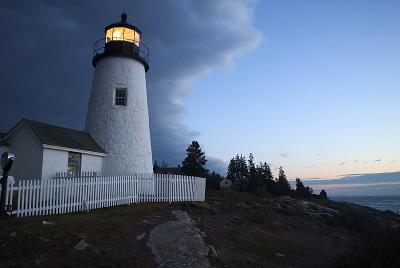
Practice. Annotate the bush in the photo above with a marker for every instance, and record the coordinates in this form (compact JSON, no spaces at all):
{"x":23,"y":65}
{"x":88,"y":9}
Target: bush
{"x":378,"y":248}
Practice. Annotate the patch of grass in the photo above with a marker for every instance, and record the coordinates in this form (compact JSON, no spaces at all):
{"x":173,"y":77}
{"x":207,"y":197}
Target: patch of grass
{"x":211,"y":194}
{"x":110,"y":233}
{"x":377,"y":248}
{"x":354,"y":219}
{"x":267,"y":218}
{"x":248,"y":241}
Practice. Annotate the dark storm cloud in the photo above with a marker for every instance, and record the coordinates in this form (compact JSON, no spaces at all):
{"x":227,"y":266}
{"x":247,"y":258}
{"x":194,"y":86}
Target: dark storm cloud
{"x":46,"y":50}
{"x":217,"y":165}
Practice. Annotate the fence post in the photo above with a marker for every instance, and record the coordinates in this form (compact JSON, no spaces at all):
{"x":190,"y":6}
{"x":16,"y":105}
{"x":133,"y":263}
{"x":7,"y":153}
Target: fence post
{"x":19,"y":199}
{"x":10,"y":194}
{"x":169,"y":189}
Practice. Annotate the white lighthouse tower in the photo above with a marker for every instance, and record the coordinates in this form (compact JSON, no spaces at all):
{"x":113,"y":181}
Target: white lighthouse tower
{"x":117,"y":115}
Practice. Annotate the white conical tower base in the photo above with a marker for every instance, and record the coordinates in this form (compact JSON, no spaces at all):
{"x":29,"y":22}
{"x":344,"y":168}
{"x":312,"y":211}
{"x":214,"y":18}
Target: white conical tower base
{"x":123,"y":131}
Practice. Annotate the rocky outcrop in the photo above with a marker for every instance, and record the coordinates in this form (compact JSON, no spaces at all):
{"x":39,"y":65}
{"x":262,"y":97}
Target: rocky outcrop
{"x":179,"y":243}
{"x":288,"y":204}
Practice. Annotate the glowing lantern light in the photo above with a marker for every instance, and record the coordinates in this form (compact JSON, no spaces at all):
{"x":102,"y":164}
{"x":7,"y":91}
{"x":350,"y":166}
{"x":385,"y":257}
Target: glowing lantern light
{"x":123,"y":31}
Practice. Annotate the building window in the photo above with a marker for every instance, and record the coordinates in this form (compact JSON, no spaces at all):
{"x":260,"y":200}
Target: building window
{"x":121,"y":96}
{"x":74,"y":163}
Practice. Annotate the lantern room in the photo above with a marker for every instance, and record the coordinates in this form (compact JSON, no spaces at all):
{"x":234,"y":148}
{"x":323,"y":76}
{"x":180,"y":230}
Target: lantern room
{"x":121,"y":39}
{"x":123,"y":31}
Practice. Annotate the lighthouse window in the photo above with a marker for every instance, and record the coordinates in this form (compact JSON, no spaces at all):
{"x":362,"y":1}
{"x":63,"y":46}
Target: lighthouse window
{"x":74,"y":163}
{"x":123,"y":34}
{"x":121,"y":96}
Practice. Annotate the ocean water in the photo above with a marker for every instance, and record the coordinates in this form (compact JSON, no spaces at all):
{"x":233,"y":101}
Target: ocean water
{"x":383,"y":203}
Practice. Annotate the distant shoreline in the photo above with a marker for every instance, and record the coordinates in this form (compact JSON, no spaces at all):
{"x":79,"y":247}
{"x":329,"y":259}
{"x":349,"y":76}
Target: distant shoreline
{"x":379,"y":202}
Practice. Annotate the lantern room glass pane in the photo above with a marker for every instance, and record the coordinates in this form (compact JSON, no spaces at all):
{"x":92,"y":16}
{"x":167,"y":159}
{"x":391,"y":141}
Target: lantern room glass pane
{"x":109,"y":35}
{"x":137,"y":38}
{"x":122,"y":34}
{"x":118,"y":33}
{"x":129,"y":35}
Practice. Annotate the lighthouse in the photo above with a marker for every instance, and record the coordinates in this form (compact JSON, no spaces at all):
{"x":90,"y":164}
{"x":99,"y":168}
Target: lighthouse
{"x":117,"y":116}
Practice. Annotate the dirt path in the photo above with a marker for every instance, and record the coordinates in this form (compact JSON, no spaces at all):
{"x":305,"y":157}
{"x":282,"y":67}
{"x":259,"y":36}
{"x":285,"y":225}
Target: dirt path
{"x":179,"y":243}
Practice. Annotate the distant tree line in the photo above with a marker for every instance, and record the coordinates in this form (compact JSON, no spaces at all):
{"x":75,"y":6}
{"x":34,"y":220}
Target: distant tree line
{"x":244,"y":175}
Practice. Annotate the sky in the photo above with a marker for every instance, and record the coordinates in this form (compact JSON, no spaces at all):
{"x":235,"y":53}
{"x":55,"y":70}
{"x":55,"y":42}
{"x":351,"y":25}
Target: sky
{"x":318,"y":96}
{"x":312,"y":86}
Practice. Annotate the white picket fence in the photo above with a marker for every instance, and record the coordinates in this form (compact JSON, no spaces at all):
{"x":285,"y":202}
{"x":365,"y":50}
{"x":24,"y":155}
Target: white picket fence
{"x":71,"y":194}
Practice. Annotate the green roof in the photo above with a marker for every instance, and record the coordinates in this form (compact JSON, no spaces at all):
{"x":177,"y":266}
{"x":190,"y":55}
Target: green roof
{"x":64,"y":137}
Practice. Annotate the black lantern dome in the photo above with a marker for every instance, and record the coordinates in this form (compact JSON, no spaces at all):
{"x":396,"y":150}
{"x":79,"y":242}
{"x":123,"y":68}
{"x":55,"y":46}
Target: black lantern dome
{"x":121,"y":39}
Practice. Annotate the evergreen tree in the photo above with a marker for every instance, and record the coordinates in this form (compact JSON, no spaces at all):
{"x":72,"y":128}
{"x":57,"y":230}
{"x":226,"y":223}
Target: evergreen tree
{"x":283,"y":186}
{"x":300,"y":189}
{"x":303,"y":191}
{"x":238,"y":173}
{"x":323,"y":195}
{"x":251,"y":165}
{"x":232,"y":173}
{"x":266,"y":177}
{"x":254,"y":184}
{"x":195,"y":161}
{"x":243,"y":173}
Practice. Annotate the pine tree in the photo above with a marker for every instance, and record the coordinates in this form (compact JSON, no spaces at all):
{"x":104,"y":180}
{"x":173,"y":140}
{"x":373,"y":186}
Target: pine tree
{"x":232,"y":174}
{"x":283,"y":186}
{"x":243,"y":173}
{"x":253,"y":178}
{"x":300,"y":189}
{"x":252,"y":167}
{"x":195,"y":161}
{"x":303,"y":191}
{"x":268,"y":178}
{"x":323,"y":194}
{"x":238,"y":173}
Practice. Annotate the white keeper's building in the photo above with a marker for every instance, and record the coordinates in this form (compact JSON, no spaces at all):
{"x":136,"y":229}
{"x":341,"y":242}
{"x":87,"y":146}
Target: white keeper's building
{"x":116,"y":139}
